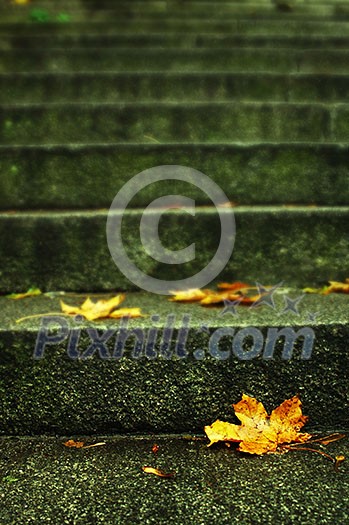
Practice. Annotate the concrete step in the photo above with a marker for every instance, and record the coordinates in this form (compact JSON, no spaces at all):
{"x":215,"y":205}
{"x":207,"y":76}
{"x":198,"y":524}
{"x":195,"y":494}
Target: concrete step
{"x":246,"y":26}
{"x":212,"y":485}
{"x":321,"y":61}
{"x":78,"y":176}
{"x":170,"y":39}
{"x":57,"y":393}
{"x":207,"y":122}
{"x":67,"y":250}
{"x":163,"y":9}
{"x":171,"y":86}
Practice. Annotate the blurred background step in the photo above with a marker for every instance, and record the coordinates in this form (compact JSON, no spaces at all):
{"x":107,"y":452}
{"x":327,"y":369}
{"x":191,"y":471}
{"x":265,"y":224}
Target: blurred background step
{"x":176,"y":59}
{"x":36,"y":87}
{"x":45,"y":40}
{"x":245,"y":26}
{"x":68,"y":250}
{"x":57,"y":394}
{"x":89,"y":176}
{"x":162,"y":10}
{"x":207,"y":122}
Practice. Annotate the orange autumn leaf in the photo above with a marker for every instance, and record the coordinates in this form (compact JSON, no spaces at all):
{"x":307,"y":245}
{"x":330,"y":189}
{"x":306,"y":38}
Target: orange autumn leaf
{"x":157,"y":472}
{"x":235,"y":291}
{"x":73,"y":444}
{"x":337,"y":287}
{"x":235,"y":286}
{"x":80,"y":444}
{"x":101,"y":309}
{"x":189,"y":296}
{"x":220,"y":297}
{"x":155,"y":448}
{"x":260,"y":433}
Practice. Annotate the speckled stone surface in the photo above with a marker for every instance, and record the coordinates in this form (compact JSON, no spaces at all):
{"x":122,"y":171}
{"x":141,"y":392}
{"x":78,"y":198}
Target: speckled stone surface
{"x":68,"y":250}
{"x":125,"y":393}
{"x":41,"y":481}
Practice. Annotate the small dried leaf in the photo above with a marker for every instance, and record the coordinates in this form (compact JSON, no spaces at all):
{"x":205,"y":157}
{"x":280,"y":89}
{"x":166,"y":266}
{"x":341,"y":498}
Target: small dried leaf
{"x":339,"y":460}
{"x":337,"y":287}
{"x":155,"y":448}
{"x":32,"y":292}
{"x":334,"y":287}
{"x":73,"y":444}
{"x":189,"y":296}
{"x":126,"y":312}
{"x":157,"y":472}
{"x":236,"y":286}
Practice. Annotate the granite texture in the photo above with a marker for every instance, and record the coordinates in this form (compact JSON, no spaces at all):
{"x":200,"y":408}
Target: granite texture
{"x":175,"y":389}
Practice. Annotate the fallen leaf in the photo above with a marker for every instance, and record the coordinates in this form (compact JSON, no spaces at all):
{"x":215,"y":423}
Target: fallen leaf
{"x":260,"y":433}
{"x":234,"y":291}
{"x":337,"y":287}
{"x":236,"y":286}
{"x":339,"y":460}
{"x":101,"y":309}
{"x":155,"y":448}
{"x":32,"y":292}
{"x":73,"y":444}
{"x":126,"y":312}
{"x":333,"y":287}
{"x":220,"y":297}
{"x":189,"y":296}
{"x":80,"y":444}
{"x":21,"y":2}
{"x":157,"y":472}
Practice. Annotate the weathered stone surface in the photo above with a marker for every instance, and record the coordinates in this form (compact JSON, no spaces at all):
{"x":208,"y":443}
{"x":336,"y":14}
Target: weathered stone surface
{"x":61,"y":394}
{"x":45,"y":482}
{"x":40,"y":177}
{"x":68,"y":250}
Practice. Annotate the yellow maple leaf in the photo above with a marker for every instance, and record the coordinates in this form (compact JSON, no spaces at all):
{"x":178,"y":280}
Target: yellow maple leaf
{"x":101,"y":309}
{"x":189,"y":296}
{"x":260,"y":433}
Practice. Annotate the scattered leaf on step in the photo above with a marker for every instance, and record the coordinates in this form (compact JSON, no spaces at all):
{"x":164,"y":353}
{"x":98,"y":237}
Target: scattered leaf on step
{"x":126,"y":312}
{"x":236,"y":286}
{"x":101,"y":309}
{"x":260,"y":433}
{"x":73,"y":444}
{"x":190,"y":296}
{"x":234,"y":291}
{"x":157,"y":472}
{"x":32,"y":292}
{"x":339,"y":460}
{"x":337,"y":287}
{"x":155,"y":448}
{"x":80,"y":444}
{"x":333,"y":287}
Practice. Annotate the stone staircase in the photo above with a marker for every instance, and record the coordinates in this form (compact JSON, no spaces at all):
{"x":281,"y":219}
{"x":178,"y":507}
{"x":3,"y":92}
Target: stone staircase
{"x":255,"y":96}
